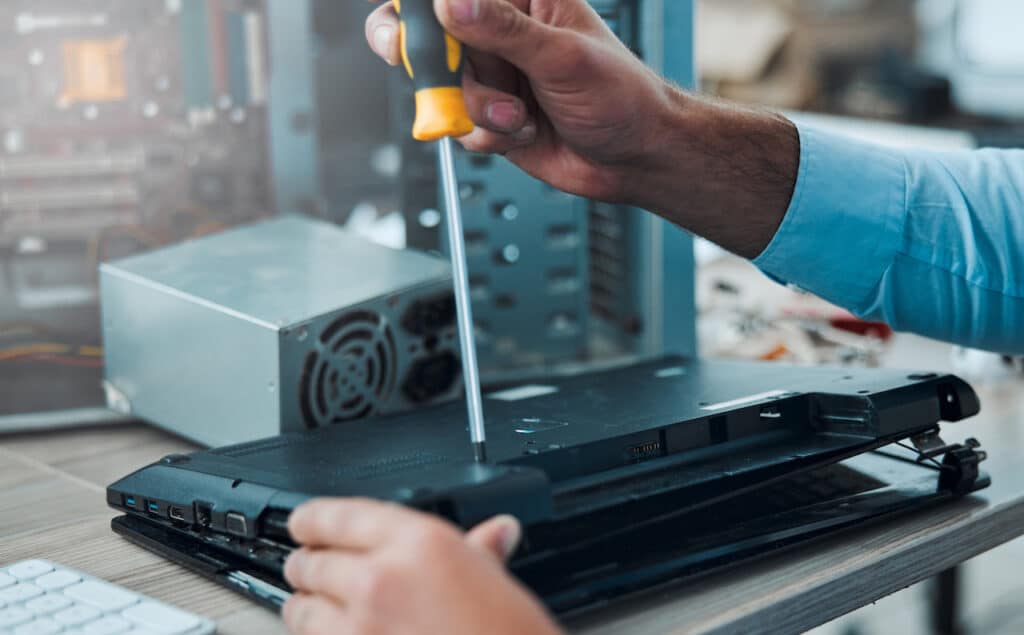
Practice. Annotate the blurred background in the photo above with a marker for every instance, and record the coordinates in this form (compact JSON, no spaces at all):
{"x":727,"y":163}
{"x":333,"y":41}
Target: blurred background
{"x":128,"y":125}
{"x":940,"y":74}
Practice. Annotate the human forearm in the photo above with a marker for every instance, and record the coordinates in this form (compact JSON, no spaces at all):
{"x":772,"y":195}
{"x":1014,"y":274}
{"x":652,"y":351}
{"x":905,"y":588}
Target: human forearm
{"x":723,"y":172}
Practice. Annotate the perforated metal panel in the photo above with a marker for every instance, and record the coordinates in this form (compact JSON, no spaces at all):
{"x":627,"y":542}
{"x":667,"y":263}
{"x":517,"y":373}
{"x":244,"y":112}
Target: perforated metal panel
{"x":526,"y":248}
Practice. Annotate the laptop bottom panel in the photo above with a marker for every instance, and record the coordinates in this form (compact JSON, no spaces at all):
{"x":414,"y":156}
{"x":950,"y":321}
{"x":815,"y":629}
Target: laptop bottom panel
{"x":625,"y":555}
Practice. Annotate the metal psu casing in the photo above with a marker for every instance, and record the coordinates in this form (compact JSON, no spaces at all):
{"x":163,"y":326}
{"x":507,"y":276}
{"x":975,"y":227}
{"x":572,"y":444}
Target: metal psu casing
{"x":287,"y":324}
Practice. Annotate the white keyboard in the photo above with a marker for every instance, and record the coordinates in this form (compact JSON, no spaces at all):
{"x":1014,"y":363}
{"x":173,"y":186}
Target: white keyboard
{"x":41,"y":598}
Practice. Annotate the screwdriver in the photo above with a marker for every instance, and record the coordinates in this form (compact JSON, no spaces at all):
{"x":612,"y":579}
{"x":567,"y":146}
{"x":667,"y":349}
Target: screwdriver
{"x":434,"y":59}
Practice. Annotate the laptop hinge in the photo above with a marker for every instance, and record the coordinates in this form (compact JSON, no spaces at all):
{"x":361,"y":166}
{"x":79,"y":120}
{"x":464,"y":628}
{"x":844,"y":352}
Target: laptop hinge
{"x":959,"y":468}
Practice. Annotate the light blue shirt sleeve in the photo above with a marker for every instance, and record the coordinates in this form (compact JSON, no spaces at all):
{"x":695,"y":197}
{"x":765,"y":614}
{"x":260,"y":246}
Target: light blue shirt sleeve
{"x":930,"y":243}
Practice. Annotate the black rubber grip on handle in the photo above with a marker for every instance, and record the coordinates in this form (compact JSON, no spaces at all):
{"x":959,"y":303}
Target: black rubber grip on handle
{"x":425,"y":47}
{"x":434,"y":61}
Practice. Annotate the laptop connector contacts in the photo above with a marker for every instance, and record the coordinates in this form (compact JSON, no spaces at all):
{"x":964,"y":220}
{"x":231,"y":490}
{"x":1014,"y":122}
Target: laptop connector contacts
{"x":645,"y":451}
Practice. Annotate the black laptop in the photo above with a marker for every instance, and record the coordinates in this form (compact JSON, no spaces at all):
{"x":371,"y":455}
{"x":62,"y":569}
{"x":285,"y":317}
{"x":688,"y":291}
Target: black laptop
{"x":624,"y":479}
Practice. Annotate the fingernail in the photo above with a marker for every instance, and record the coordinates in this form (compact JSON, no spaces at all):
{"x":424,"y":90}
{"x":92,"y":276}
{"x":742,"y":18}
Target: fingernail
{"x":464,"y":11}
{"x":526,"y":133}
{"x":503,"y":114}
{"x":511,"y":534}
{"x":382,"y":37}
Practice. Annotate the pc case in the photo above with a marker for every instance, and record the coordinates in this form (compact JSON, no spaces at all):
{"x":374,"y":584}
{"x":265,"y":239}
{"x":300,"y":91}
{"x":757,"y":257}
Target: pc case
{"x":285,"y":324}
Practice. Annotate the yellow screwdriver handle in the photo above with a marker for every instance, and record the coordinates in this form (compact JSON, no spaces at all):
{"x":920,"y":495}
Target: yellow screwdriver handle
{"x":433,"y":59}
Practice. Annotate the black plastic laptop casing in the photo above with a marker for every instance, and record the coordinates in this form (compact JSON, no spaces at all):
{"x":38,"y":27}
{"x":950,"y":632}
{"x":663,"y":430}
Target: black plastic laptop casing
{"x":577,"y":460}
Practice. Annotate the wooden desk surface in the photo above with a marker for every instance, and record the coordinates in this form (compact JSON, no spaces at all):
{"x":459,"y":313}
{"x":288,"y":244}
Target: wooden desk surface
{"x":52,"y":506}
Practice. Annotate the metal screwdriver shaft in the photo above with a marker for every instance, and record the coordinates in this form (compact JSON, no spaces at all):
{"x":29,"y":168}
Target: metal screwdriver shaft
{"x":463,"y":305}
{"x":433,"y":59}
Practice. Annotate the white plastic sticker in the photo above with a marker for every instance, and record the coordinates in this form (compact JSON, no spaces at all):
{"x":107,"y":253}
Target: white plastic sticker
{"x":523,"y":392}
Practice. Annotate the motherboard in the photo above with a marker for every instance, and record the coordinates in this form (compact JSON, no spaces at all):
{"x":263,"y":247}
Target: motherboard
{"x":124,"y":126}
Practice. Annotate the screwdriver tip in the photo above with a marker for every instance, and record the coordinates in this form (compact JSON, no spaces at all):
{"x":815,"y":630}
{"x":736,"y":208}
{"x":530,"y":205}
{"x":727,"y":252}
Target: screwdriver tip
{"x":480,"y":451}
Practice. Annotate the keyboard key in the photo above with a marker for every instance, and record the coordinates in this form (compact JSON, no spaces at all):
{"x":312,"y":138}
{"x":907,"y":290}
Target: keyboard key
{"x":110,"y":625}
{"x":30,"y":569}
{"x":160,"y":618}
{"x":6,"y":580}
{"x":41,"y":626}
{"x":77,"y":614}
{"x":20,"y":593}
{"x":101,"y":595}
{"x":57,"y":580}
{"x":13,"y":616}
{"x":45,"y":604}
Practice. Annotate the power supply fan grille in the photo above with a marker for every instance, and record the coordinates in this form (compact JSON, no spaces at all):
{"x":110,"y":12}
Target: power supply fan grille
{"x":350,"y":372}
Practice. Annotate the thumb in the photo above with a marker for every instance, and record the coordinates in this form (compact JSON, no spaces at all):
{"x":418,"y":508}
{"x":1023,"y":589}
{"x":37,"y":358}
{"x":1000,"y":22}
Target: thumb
{"x":498,"y":27}
{"x":498,"y":537}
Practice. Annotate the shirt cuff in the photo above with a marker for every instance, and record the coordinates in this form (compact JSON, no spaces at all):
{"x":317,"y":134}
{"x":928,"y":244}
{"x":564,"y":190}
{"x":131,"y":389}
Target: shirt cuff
{"x":845,"y":222}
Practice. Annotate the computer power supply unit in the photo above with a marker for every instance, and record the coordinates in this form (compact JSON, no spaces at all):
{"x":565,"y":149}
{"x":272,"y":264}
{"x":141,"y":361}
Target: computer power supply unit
{"x":282,"y":325}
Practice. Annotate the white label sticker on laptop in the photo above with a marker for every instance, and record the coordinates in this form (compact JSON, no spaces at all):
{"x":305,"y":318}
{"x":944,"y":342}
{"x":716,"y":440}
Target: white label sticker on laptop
{"x":743,"y":401}
{"x":523,"y":392}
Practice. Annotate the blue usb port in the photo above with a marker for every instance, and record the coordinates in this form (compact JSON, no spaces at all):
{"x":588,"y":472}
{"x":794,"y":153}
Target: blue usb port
{"x":129,"y":501}
{"x":153,"y":507}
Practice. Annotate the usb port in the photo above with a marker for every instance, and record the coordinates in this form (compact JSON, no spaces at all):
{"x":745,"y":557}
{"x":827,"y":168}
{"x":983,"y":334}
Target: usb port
{"x":176,"y":513}
{"x":129,"y":501}
{"x":153,"y":508}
